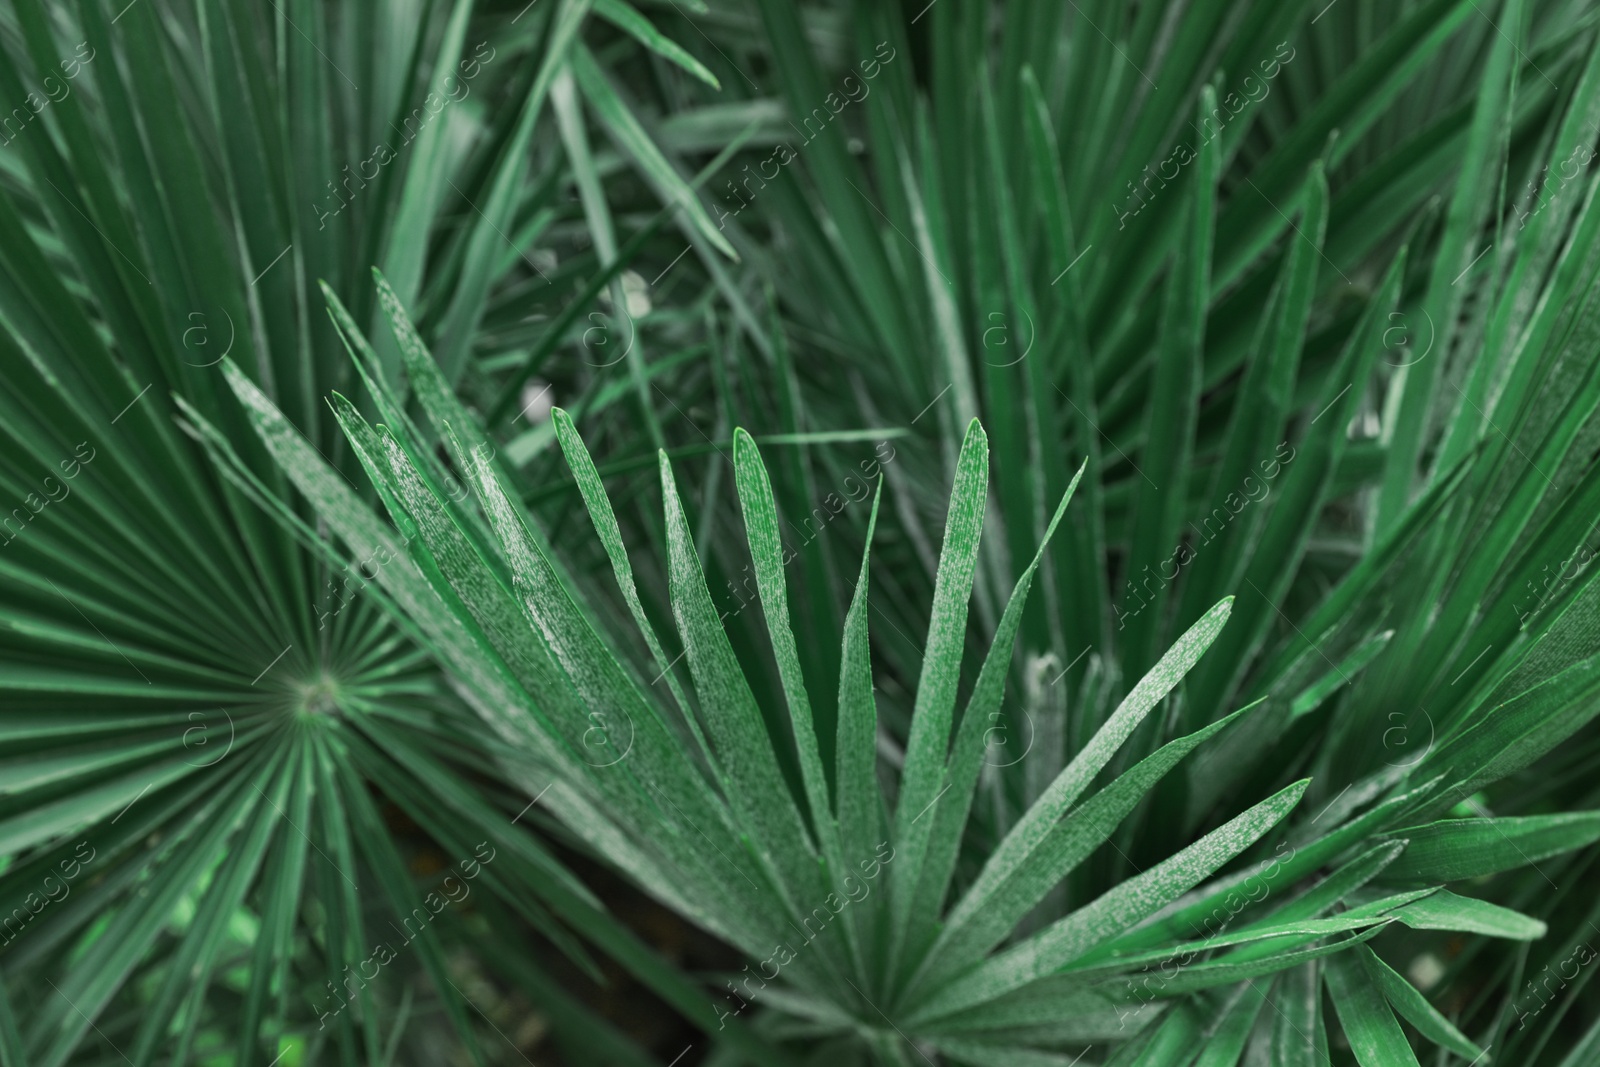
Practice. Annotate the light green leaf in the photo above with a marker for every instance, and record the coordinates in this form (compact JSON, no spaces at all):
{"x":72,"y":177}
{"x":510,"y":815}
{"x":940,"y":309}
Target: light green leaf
{"x":1071,"y":937}
{"x":1454,"y":849}
{"x":1375,"y":1037}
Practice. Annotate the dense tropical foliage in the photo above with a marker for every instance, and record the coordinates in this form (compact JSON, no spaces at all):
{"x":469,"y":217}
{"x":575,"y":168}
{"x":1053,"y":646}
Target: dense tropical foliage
{"x":978,"y":533}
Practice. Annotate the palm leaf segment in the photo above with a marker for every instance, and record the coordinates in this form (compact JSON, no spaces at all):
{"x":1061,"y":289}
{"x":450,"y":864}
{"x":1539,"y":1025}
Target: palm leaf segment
{"x":850,"y":911}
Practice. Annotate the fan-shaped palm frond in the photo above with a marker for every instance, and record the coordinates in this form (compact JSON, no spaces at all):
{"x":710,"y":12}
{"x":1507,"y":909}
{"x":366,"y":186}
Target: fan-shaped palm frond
{"x":241,"y":808}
